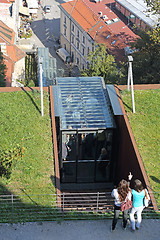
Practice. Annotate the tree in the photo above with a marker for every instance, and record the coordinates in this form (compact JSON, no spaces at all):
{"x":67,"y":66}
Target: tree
{"x":102,"y":64}
{"x":147,"y":59}
{"x":2,"y":71}
{"x":154,"y":6}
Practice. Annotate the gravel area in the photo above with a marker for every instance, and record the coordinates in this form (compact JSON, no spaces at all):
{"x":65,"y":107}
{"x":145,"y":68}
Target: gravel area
{"x":79,"y":230}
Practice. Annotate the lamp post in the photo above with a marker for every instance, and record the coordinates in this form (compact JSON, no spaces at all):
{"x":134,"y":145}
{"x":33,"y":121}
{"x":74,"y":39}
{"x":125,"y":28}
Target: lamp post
{"x":130,"y":80}
{"x":41,"y":84}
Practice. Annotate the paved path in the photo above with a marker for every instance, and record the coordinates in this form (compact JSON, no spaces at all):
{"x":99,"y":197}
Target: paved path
{"x":78,"y":230}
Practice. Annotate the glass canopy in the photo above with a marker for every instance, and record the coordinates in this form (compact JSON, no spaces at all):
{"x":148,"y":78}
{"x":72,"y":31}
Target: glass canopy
{"x":82,"y":103}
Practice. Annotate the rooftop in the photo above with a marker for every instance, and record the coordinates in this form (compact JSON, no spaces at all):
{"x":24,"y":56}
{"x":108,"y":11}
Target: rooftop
{"x":82,"y":103}
{"x":140,"y":9}
{"x":6,"y":33}
{"x":101,"y":23}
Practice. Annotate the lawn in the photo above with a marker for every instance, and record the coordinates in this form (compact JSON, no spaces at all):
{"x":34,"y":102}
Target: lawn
{"x":23,"y":126}
{"x":145,"y":124}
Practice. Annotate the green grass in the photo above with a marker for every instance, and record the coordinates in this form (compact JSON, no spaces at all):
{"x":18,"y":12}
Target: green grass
{"x":145,"y":124}
{"x":21,"y":123}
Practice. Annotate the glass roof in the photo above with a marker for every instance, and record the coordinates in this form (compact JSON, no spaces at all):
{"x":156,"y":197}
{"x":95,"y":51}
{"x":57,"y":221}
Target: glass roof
{"x":82,"y":103}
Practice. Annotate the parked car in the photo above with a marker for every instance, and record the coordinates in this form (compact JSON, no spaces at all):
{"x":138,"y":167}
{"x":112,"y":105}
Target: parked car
{"x":64,"y":55}
{"x":47,"y":9}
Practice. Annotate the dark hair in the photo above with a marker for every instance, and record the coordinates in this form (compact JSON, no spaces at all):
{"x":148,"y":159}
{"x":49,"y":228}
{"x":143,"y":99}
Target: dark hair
{"x":123,"y":189}
{"x":138,"y":186}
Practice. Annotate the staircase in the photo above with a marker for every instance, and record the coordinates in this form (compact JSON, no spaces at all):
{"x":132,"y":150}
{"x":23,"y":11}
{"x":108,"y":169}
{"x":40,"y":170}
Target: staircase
{"x":88,"y":201}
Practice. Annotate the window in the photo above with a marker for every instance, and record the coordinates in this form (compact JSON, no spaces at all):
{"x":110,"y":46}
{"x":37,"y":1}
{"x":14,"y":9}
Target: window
{"x":65,"y":46}
{"x":65,"y":31}
{"x":108,"y":36}
{"x":88,"y":50}
{"x":72,"y":56}
{"x":72,"y":27}
{"x":77,"y":45}
{"x":72,"y":39}
{"x":113,"y":42}
{"x":78,"y":33}
{"x":100,"y":27}
{"x":77,"y":61}
{"x":83,"y":49}
{"x":65,"y":20}
{"x":83,"y":40}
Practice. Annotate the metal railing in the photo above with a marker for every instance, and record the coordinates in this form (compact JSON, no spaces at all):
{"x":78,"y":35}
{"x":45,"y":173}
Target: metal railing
{"x":65,"y":206}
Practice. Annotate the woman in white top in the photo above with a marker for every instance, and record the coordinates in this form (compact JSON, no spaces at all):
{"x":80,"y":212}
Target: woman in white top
{"x":120,"y":194}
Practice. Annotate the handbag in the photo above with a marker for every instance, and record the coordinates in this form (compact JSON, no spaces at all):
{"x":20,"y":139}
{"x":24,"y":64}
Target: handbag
{"x":127,"y":204}
{"x":146,"y":199}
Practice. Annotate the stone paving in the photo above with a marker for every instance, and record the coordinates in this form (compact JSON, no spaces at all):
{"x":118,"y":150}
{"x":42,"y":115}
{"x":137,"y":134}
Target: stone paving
{"x":79,"y":230}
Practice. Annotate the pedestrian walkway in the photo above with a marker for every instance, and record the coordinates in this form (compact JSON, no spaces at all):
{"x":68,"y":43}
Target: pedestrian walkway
{"x":79,"y":230}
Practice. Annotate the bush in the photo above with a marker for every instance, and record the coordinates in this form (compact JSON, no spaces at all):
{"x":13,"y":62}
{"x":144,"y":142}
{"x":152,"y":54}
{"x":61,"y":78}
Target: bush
{"x":8,"y":158}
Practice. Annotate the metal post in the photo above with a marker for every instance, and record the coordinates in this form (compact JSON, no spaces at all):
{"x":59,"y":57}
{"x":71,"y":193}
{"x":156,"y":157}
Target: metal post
{"x":12,"y":208}
{"x":128,"y":83}
{"x":130,"y":79}
{"x":97,"y":200}
{"x":41,"y":84}
{"x":63,"y":201}
{"x":132,"y":91}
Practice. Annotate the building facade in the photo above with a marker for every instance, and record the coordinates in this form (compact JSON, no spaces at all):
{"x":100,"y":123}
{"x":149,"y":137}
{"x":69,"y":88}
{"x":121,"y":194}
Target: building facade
{"x":136,"y":11}
{"x":84,"y":23}
{"x":75,"y":40}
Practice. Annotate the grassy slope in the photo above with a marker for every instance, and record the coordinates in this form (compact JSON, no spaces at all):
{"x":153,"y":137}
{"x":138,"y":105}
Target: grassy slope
{"x":21,"y":123}
{"x":145,"y":124}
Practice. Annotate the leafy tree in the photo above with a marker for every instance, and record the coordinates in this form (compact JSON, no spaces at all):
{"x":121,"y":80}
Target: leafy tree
{"x":102,"y":64}
{"x":147,"y":59}
{"x":2,"y":71}
{"x":154,"y":6}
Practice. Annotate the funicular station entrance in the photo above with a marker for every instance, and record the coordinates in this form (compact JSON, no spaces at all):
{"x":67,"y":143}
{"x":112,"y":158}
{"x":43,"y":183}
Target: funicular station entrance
{"x":85,"y":131}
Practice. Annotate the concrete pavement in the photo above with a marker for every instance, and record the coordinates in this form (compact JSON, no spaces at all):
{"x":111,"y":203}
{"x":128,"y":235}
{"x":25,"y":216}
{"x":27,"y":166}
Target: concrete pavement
{"x":79,"y":230}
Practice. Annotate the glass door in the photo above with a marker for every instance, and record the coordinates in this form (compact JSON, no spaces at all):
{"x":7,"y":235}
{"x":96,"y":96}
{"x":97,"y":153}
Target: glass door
{"x":103,"y":156}
{"x":86,"y":157}
{"x":68,"y":157}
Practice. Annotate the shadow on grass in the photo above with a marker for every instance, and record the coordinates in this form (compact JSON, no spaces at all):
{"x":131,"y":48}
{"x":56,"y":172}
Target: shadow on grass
{"x":43,"y":207}
{"x":155,"y":179}
{"x":32,"y":100}
{"x":122,"y":100}
{"x":38,"y":208}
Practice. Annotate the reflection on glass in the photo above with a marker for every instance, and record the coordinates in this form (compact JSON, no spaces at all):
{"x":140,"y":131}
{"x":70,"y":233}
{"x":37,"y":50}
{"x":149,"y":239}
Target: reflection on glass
{"x":86,"y":156}
{"x":68,"y":170}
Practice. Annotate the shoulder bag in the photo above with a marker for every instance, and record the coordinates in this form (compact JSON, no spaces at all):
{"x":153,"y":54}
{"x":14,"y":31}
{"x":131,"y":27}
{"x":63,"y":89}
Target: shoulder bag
{"x":146,"y":200}
{"x":127,"y":204}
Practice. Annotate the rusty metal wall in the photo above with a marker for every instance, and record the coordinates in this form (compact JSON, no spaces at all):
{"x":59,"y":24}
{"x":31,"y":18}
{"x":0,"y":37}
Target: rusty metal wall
{"x":128,"y":157}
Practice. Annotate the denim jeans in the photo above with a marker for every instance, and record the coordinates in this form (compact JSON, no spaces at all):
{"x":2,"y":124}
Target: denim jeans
{"x":138,"y":211}
{"x":116,"y":215}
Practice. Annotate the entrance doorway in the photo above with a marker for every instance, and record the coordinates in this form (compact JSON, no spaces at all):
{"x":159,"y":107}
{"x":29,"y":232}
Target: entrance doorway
{"x":86,"y":157}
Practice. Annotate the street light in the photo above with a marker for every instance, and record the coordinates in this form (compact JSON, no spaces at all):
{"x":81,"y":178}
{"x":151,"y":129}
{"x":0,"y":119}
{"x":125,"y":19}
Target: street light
{"x":130,"y":80}
{"x":41,"y":84}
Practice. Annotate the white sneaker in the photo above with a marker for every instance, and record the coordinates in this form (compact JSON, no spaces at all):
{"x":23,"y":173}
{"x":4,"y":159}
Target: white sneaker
{"x":112,"y":230}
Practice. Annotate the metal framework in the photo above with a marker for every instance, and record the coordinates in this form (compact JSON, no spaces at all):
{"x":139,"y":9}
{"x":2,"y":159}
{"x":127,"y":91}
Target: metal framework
{"x":65,"y":206}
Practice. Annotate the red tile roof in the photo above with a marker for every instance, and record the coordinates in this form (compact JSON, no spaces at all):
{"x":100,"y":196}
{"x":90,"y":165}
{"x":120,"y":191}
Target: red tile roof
{"x":9,"y":69}
{"x":6,"y":33}
{"x":86,"y":14}
{"x":13,"y":53}
{"x":4,"y":1}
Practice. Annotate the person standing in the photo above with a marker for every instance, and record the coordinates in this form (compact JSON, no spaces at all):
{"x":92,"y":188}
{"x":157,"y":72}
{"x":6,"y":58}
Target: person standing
{"x":120,"y":194}
{"x":138,"y":194}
